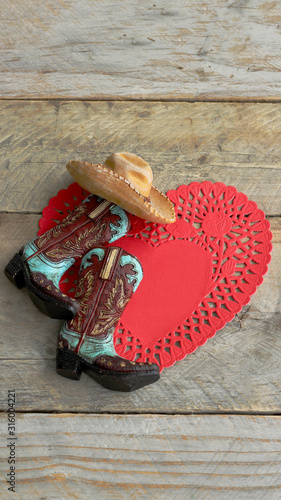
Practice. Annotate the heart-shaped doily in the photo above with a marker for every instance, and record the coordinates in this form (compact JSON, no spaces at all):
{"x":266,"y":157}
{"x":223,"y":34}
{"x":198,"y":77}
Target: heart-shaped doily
{"x":198,"y":271}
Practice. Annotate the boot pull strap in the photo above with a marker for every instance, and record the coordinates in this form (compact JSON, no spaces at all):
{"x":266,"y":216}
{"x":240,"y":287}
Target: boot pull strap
{"x":110,"y":262}
{"x":99,"y":210}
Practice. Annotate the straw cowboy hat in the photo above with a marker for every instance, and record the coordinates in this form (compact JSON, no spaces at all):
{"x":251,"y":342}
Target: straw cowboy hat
{"x":126,"y":180}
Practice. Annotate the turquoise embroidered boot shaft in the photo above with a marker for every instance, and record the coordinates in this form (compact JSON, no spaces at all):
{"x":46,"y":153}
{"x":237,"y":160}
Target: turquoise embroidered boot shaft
{"x":41,"y":263}
{"x":107,"y":280}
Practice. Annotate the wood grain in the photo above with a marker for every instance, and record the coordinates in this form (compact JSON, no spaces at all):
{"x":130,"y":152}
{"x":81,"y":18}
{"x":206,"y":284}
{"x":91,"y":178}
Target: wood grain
{"x":93,"y":49}
{"x":236,"y":371}
{"x":26,"y":333}
{"x":144,"y":457}
{"x":139,"y":51}
{"x":238,"y":144}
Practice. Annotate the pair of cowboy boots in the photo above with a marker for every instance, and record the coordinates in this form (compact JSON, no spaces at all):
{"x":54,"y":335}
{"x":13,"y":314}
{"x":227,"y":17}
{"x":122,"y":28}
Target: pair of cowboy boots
{"x":107,"y":279}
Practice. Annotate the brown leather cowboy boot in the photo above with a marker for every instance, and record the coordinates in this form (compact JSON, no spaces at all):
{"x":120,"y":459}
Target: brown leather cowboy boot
{"x":41,"y":263}
{"x":107,"y":280}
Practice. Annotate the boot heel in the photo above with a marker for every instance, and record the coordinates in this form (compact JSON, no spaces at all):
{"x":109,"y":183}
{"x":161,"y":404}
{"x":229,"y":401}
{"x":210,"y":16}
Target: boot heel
{"x":14,"y":271}
{"x":68,"y":365}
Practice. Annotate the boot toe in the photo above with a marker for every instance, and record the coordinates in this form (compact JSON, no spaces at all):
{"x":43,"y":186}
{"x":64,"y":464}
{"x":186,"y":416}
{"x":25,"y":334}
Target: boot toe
{"x":120,"y":374}
{"x":121,"y":365}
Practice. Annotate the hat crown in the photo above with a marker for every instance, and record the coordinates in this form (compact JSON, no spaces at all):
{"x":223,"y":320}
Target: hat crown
{"x":132,"y":168}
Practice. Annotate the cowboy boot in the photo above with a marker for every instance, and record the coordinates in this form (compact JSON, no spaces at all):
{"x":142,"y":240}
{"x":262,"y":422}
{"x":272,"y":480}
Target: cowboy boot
{"x":41,"y":263}
{"x":107,"y":280}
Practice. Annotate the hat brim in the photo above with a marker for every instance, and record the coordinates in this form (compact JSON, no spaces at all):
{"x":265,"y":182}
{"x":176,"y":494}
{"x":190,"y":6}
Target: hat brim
{"x":101,"y":181}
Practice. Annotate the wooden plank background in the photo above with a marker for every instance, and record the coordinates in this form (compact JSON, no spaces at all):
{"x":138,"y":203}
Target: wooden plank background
{"x":142,"y":456}
{"x":238,"y":144}
{"x":225,"y":49}
{"x":79,"y":80}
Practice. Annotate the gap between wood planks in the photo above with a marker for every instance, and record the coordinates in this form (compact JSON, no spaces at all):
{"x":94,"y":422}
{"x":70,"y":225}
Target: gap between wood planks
{"x":149,"y":412}
{"x":237,"y":100}
{"x":271,"y":216}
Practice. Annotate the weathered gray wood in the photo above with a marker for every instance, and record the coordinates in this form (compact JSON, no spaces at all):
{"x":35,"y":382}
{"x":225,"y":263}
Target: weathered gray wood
{"x":142,"y":457}
{"x":25,"y":332}
{"x":238,"y":144}
{"x":237,"y":370}
{"x":90,"y":49}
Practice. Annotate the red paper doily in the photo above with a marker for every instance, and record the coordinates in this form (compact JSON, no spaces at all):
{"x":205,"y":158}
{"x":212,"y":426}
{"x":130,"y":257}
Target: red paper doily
{"x":198,"y":272}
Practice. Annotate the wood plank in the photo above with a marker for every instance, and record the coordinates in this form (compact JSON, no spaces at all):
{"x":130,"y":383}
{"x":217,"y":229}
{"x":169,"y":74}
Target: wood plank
{"x":26,"y":332}
{"x":236,"y":371}
{"x":238,"y":144}
{"x":142,"y":457}
{"x":92,"y":49}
